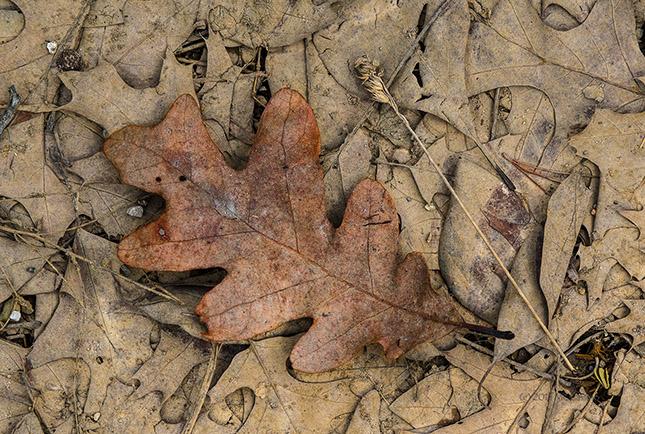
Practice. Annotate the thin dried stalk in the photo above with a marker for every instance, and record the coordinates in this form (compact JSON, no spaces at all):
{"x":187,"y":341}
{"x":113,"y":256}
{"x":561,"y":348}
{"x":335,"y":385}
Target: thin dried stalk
{"x":74,"y":256}
{"x":367,"y":71}
{"x":203,"y":389}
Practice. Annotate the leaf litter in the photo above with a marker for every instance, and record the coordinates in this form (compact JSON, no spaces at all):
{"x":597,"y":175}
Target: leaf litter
{"x":553,"y":92}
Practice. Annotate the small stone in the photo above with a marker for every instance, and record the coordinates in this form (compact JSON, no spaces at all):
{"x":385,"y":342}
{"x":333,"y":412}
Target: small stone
{"x":429,"y":207}
{"x":135,"y":211}
{"x":96,"y":416}
{"x":15,"y":315}
{"x":52,"y":46}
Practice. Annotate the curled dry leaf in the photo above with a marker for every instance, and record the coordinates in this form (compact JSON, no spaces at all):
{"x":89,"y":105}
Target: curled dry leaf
{"x":266,"y":226}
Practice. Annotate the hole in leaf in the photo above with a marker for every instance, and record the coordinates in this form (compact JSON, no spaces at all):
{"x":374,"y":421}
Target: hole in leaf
{"x":158,"y":179}
{"x":421,"y":24}
{"x":417,"y":74}
{"x":182,"y":178}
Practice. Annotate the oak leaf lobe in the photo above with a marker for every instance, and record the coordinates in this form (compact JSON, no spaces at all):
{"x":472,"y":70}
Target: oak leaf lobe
{"x":266,"y":225}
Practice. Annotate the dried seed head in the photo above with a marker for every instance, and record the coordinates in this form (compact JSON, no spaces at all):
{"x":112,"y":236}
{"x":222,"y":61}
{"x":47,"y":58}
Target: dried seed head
{"x":367,"y":71}
{"x":365,"y":68}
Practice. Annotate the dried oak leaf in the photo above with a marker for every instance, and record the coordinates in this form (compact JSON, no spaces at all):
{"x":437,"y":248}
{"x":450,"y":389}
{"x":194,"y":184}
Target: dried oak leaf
{"x":266,"y":225}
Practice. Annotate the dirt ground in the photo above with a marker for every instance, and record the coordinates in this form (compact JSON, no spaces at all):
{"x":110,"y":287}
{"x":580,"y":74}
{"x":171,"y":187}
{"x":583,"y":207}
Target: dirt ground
{"x":451,"y":174}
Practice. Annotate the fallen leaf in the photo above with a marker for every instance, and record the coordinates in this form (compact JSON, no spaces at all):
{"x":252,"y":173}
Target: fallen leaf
{"x":57,"y":384}
{"x":434,"y":78}
{"x":227,"y":103}
{"x":272,"y":215}
{"x":168,"y":311}
{"x":175,"y":355}
{"x":25,"y":59}
{"x":633,"y":324}
{"x":349,"y":167}
{"x":516,"y":48}
{"x":104,"y":198}
{"x":138,"y":46}
{"x":357,"y":35}
{"x":13,"y":22}
{"x":514,"y":314}
{"x":92,"y":311}
{"x":631,"y":412}
{"x":439,"y":399}
{"x":366,"y":416}
{"x":628,"y":368}
{"x":103,"y":13}
{"x":628,"y":379}
{"x":30,"y":424}
{"x":26,"y":178}
{"x":102,"y":96}
{"x":420,"y":224}
{"x":337,"y":109}
{"x":287,"y":67}
{"x":568,"y":207}
{"x":532,"y":117}
{"x":511,"y":393}
{"x":470,"y":270}
{"x":20,"y":264}
{"x":15,"y":402}
{"x":274,"y":24}
{"x":574,"y":316}
{"x":274,"y":397}
{"x":638,"y":218}
{"x":613,"y":142}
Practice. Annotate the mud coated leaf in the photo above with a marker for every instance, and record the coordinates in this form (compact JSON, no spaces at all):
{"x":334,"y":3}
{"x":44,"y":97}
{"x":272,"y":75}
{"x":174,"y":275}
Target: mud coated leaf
{"x":266,"y":226}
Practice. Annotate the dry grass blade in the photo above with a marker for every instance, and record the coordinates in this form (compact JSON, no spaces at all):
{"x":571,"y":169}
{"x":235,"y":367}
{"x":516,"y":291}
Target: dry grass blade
{"x":203,"y":390}
{"x":368,"y":73}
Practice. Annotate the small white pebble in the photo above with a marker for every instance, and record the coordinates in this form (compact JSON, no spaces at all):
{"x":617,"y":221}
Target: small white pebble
{"x":52,"y":46}
{"x":15,"y":315}
{"x":135,"y":211}
{"x":429,"y":207}
{"x":96,"y":416}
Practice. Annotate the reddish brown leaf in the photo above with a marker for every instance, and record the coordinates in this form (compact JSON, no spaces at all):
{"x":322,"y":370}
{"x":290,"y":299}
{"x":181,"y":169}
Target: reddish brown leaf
{"x":266,"y":225}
